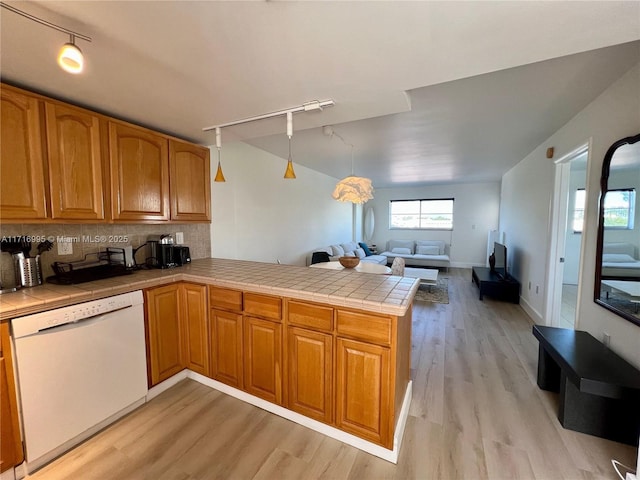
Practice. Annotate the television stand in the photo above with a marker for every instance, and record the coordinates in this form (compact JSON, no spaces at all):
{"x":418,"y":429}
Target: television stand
{"x":490,"y":283}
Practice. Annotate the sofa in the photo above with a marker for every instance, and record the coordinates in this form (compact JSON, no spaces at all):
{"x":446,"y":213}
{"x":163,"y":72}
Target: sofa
{"x":350,"y":249}
{"x":419,"y":253}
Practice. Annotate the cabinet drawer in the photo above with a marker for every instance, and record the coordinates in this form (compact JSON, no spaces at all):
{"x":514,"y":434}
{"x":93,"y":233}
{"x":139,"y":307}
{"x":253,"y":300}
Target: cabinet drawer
{"x":264,"y":306}
{"x":364,"y":326}
{"x":309,"y":315}
{"x":225,"y":298}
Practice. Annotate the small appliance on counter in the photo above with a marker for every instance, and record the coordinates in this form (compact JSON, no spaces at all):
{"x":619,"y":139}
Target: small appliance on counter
{"x":181,"y":254}
{"x":162,"y":251}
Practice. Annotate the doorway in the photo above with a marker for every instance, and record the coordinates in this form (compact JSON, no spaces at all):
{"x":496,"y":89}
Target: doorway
{"x":566,"y":238}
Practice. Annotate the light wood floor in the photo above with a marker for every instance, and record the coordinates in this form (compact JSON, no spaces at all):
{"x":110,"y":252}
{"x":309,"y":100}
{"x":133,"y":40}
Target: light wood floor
{"x":476,"y":413}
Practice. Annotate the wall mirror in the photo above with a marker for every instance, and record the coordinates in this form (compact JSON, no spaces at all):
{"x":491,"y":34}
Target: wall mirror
{"x":617,"y":286}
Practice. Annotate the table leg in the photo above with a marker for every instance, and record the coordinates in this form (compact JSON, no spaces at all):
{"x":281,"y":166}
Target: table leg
{"x":548,"y":371}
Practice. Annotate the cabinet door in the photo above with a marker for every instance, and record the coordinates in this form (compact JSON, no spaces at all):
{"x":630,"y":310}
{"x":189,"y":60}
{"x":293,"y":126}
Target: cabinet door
{"x":195,"y":323}
{"x":363,"y":391}
{"x":164,"y":340}
{"x":75,"y":163}
{"x":226,"y":348}
{"x":263,"y":359}
{"x":190,"y":182}
{"x":22,"y":181}
{"x":10,"y":444}
{"x":139,"y":162}
{"x":310,"y":373}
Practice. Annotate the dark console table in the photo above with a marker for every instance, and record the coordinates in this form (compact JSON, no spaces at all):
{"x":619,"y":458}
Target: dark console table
{"x":599,"y":391}
{"x":493,"y":285}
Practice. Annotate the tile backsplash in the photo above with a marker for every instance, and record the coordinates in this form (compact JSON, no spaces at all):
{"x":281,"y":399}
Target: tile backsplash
{"x":92,"y":238}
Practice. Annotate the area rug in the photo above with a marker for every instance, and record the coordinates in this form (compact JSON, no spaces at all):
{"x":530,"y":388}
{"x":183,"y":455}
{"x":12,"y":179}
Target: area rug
{"x":434,"y":293}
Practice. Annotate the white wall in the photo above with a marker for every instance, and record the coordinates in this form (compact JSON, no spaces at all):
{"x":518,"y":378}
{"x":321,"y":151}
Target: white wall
{"x":475,"y":212}
{"x":525,"y":207}
{"x":258,"y":215}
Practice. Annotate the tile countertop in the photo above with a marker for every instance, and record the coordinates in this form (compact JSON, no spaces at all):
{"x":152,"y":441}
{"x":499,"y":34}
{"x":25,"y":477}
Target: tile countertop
{"x":375,"y":293}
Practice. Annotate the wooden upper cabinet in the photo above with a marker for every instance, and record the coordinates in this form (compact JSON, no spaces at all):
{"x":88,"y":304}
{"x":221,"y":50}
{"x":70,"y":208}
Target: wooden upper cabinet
{"x":139,"y":162}
{"x":22,"y":181}
{"x":190,"y":182}
{"x":75,"y":163}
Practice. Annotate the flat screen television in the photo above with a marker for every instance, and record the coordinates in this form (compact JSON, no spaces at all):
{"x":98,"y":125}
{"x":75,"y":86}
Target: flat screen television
{"x":500,"y":254}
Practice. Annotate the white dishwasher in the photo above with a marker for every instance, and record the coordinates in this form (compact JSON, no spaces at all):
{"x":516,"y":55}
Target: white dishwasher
{"x":79,"y":368}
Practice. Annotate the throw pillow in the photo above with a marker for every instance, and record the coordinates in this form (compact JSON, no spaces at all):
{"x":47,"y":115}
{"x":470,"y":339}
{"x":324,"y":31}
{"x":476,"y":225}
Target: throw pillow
{"x":349,"y":254}
{"x":365,"y":247}
{"x":401,"y":251}
{"x":338,"y":251}
{"x":427,"y":250}
{"x":359,"y":253}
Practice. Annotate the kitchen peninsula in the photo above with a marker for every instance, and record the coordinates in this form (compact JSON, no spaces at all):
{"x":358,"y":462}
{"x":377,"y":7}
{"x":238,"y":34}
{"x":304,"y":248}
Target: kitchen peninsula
{"x":326,"y":349}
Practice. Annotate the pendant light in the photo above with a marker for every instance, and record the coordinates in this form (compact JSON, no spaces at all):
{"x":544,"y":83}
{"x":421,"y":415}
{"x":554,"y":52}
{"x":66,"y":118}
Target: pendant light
{"x":289,"y":173}
{"x":350,"y":189}
{"x":219,"y":175}
{"x":70,"y":57}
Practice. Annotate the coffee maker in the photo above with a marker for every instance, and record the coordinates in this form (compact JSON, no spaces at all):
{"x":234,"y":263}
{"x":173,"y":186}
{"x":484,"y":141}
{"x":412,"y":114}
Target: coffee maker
{"x":162,"y":251}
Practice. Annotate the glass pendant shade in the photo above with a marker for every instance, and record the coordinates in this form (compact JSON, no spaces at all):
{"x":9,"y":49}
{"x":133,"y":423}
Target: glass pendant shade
{"x":219,"y":175}
{"x":289,"y":173}
{"x":353,"y":189}
{"x":70,"y":58}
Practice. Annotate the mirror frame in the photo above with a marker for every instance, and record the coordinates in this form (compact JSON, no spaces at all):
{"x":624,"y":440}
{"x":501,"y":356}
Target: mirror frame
{"x":604,"y":184}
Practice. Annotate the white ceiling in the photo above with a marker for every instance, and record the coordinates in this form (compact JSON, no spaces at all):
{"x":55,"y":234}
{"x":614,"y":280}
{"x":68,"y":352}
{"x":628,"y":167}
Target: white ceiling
{"x":428,"y":92}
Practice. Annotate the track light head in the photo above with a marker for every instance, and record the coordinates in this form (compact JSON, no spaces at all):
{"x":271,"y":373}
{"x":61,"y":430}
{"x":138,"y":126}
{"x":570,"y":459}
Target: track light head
{"x":70,"y":57}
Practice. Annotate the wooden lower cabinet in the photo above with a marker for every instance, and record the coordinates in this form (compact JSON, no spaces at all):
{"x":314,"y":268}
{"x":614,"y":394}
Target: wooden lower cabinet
{"x":164,"y":333}
{"x":263,"y":359}
{"x":310,"y":367}
{"x":226,"y":348}
{"x":346,"y":368}
{"x":11,"y":453}
{"x":195,"y":323}
{"x":363,"y":393}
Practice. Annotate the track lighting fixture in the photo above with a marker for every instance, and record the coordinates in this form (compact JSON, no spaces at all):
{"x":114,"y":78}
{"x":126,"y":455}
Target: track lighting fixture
{"x":289,"y":173}
{"x":219,"y":175}
{"x":314,"y":105}
{"x":70,"y":57}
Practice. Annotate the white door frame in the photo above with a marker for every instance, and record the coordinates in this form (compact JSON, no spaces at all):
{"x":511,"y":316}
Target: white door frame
{"x":559,"y":215}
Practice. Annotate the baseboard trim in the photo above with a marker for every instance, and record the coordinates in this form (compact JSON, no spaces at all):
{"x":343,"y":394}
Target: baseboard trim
{"x":532,"y":312}
{"x":359,"y":443}
{"x":167,"y":384}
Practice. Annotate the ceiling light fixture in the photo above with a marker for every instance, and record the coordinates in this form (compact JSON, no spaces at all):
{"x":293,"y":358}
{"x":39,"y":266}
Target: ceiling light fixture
{"x":289,"y":173}
{"x":350,"y":189}
{"x":219,"y":175}
{"x":70,"y":57}
{"x":314,"y":105}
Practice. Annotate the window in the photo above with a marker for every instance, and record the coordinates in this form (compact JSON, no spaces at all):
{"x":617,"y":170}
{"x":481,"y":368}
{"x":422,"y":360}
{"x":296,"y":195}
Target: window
{"x":434,"y":214}
{"x":619,"y":209}
{"x":578,"y":211}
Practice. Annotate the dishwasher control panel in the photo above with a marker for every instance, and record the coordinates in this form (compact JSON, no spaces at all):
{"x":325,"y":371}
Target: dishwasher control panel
{"x":31,"y":324}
